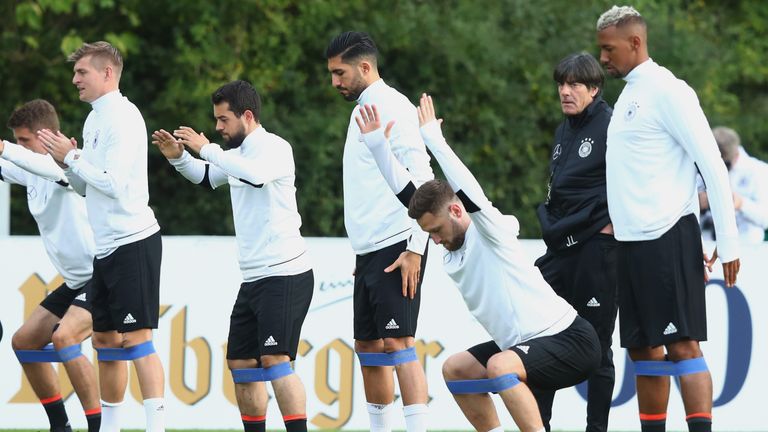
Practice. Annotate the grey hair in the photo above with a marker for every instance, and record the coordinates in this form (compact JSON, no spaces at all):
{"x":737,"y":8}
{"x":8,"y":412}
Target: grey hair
{"x":728,"y":141}
{"x":618,"y":16}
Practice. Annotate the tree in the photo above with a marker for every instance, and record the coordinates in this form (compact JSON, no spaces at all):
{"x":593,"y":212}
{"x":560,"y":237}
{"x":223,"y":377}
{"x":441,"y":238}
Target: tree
{"x":488,"y":64}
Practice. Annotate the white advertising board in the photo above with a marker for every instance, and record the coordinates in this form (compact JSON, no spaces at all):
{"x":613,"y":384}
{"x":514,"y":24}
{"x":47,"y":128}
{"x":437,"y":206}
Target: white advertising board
{"x":200,"y":279}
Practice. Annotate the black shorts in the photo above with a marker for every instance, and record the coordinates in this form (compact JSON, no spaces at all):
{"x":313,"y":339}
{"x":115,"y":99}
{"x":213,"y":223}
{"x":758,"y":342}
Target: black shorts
{"x":553,"y":362}
{"x":59,"y":300}
{"x":267,"y":316}
{"x":125,"y":288}
{"x":661,"y":288}
{"x":380,"y":309}
{"x":585,"y":276}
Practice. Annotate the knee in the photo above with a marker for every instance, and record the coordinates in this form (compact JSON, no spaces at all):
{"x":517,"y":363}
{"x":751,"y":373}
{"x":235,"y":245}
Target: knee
{"x":242,"y":364}
{"x":20,"y":342}
{"x":369,"y":346}
{"x":63,"y":337}
{"x":646,"y":354}
{"x":106,"y":340}
{"x":397,"y":344}
{"x":272,"y":360}
{"x":684,"y":350}
{"x":503,"y":363}
{"x":453,"y":369}
{"x":136,"y":337}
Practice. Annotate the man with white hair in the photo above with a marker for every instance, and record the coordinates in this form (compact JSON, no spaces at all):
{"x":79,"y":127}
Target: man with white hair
{"x":658,"y":139}
{"x":749,"y":181}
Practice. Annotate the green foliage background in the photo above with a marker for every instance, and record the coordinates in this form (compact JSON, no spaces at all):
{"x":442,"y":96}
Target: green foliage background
{"x":488,"y":64}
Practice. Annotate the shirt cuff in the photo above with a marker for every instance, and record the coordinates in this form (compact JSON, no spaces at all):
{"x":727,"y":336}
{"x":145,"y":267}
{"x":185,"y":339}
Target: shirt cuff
{"x":417,"y":243}
{"x":10,"y":150}
{"x":431,"y":131}
{"x":71,"y":157}
{"x":181,"y":159}
{"x":727,"y":248}
{"x":209,"y":149}
{"x":375,"y":138}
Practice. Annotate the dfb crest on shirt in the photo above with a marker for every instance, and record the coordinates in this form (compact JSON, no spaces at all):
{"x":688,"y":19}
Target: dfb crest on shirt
{"x":631,"y":111}
{"x":556,"y":152}
{"x":91,"y":140}
{"x":585,"y":148}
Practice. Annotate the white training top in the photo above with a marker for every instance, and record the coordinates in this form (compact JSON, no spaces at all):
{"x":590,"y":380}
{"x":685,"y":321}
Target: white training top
{"x":749,"y":179}
{"x":502,"y":288}
{"x":261,"y":176}
{"x":657,"y":138}
{"x":373,"y":216}
{"x":58,"y":210}
{"x":111,"y":171}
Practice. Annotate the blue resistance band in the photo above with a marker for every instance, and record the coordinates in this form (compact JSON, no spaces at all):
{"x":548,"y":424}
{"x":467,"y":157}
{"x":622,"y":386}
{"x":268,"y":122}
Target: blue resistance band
{"x":261,"y":374}
{"x":131,"y":353}
{"x":388,"y":359}
{"x":46,"y":355}
{"x":493,"y":385}
{"x":669,"y":368}
{"x":49,"y":354}
{"x":68,"y":353}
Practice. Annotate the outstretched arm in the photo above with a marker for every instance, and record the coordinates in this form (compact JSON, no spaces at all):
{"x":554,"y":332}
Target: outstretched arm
{"x":251,"y":171}
{"x":35,"y":163}
{"x":493,"y":225}
{"x":376,"y":139}
{"x":194,"y":170}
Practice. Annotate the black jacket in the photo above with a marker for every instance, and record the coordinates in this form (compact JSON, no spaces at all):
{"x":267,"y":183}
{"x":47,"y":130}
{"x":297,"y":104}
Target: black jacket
{"x":577,"y":204}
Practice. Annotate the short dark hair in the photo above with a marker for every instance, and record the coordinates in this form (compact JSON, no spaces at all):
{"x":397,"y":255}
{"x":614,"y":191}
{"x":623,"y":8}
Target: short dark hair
{"x":35,"y":115}
{"x":353,"y":46}
{"x":580,"y":68}
{"x":431,"y":197}
{"x":241,"y":96}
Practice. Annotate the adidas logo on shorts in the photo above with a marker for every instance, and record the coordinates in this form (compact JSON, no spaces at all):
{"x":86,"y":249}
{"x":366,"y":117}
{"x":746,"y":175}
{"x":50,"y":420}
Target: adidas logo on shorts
{"x":270,"y":341}
{"x":593,"y":302}
{"x":523,"y":348}
{"x":80,"y":297}
{"x":392,"y":325}
{"x":129,"y":319}
{"x":670,"y":329}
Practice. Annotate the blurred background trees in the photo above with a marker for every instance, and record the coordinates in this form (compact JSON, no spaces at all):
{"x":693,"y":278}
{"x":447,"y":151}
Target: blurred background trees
{"x":488,"y":64}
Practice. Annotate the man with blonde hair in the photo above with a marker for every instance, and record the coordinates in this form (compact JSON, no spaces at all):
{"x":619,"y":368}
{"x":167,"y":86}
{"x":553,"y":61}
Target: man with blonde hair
{"x":658,"y":139}
{"x":111,"y":171}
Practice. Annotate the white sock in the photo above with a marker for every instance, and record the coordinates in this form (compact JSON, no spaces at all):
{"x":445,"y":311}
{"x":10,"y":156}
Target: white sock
{"x":378,"y":414}
{"x":155,"y":411}
{"x":497,"y":429}
{"x":110,"y":416}
{"x":416,"y":417}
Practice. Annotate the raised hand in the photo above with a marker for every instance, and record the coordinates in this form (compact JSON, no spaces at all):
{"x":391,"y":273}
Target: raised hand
{"x":426,"y":110}
{"x":191,"y":139}
{"x":369,"y":120}
{"x":169,"y":146}
{"x":57,"y":144}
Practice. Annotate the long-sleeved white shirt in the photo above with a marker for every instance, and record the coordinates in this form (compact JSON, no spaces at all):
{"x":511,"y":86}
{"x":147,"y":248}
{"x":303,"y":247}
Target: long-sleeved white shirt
{"x":657,"y":138}
{"x":58,"y":210}
{"x":749,"y":179}
{"x":502,"y":288}
{"x":111,"y":171}
{"x":261,"y":176}
{"x":373,"y":216}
